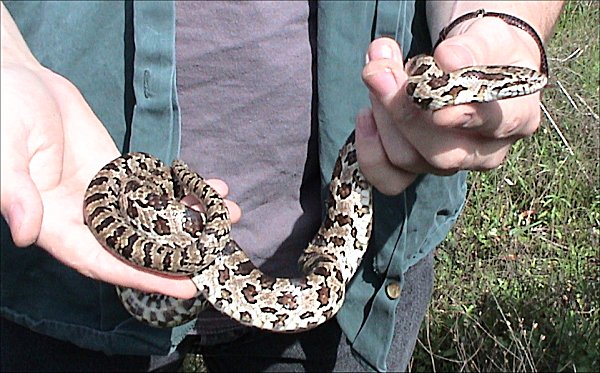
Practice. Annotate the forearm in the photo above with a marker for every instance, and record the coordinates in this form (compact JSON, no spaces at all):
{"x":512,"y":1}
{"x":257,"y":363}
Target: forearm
{"x":541,"y":15}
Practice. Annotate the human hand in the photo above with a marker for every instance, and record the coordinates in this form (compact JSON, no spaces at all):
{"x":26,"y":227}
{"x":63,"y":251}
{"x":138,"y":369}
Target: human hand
{"x":52,"y":144}
{"x":397,"y":140}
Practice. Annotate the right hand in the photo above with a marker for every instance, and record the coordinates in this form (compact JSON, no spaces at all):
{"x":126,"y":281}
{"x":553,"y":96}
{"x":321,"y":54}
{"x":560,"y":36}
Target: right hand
{"x":52,"y":144}
{"x":397,"y":140}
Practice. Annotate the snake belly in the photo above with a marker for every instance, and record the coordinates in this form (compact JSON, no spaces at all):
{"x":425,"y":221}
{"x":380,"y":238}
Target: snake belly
{"x":133,"y":208}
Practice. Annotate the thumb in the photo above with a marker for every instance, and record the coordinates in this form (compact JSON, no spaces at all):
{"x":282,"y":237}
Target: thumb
{"x":487,"y":41}
{"x":384,"y":72}
{"x":21,"y":204}
{"x":455,"y":54}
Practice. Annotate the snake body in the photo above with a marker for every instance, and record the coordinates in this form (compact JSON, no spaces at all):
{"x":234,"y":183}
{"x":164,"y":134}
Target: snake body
{"x":133,"y":208}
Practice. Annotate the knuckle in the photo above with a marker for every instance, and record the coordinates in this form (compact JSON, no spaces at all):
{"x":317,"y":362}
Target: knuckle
{"x":22,"y":239}
{"x":368,"y":165}
{"x":520,"y":123}
{"x":533,"y":124}
{"x":448,"y":164}
{"x":392,"y":186}
{"x":509,"y":127}
{"x":491,"y":162}
{"x":404,"y":159}
{"x":388,"y":190}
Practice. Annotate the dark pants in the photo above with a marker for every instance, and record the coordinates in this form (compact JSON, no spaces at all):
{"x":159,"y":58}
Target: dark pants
{"x":322,"y":349}
{"x":25,"y":351}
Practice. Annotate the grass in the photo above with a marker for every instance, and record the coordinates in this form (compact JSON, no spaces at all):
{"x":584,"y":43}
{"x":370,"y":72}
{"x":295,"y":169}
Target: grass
{"x":517,"y":280}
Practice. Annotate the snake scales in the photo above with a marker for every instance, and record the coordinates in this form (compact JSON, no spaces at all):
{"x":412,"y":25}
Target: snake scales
{"x":132,"y":206}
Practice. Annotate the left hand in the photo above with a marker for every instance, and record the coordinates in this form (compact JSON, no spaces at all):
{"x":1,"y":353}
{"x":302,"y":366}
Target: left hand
{"x":396,"y":140}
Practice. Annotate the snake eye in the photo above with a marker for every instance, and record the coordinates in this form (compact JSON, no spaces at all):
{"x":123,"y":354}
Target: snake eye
{"x":423,"y":103}
{"x":132,"y":185}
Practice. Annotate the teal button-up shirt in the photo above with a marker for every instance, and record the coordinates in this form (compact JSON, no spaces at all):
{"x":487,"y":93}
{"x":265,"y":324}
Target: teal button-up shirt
{"x":121,"y":55}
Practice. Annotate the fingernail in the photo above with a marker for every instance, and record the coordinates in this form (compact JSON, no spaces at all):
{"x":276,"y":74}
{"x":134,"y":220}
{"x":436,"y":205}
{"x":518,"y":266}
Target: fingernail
{"x":382,"y":52}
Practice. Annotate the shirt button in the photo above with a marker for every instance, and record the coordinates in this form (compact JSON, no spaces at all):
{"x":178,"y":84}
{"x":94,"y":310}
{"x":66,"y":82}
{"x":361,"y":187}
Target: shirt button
{"x":393,"y":290}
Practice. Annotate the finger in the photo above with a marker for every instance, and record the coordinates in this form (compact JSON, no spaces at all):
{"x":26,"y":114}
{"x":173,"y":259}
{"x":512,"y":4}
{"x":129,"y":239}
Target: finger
{"x":383,"y":48}
{"x":384,"y":77}
{"x":451,"y":151}
{"x":516,"y":117}
{"x":21,"y":204}
{"x":81,"y":251}
{"x":235,"y":211}
{"x":111,"y":269}
{"x":373,"y":161}
{"x":220,"y":186}
{"x":415,"y":144}
{"x":384,"y":72}
{"x":392,"y":112}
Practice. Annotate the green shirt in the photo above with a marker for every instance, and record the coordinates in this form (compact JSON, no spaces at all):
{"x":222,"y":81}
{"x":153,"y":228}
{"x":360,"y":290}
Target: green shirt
{"x":133,"y":92}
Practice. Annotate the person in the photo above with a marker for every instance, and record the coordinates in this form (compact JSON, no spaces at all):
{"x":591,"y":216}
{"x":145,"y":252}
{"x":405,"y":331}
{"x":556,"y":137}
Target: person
{"x":261,"y":98}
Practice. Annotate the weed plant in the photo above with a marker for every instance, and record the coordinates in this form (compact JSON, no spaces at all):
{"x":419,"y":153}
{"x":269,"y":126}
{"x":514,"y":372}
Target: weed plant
{"x":517,"y":279}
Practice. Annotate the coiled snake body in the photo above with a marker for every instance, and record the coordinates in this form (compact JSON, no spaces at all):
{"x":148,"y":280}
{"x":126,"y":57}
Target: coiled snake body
{"x":132,"y":206}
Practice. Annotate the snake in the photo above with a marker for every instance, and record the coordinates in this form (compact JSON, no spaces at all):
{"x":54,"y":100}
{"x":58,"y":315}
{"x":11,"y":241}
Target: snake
{"x":133,"y":207}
